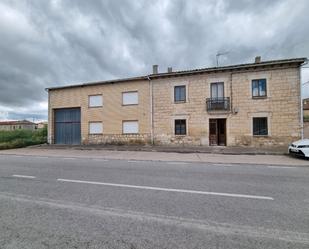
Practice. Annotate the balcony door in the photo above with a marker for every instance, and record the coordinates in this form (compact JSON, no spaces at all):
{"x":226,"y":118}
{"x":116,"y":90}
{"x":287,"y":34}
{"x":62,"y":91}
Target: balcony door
{"x":217,"y":132}
{"x":217,"y":95}
{"x":217,"y":90}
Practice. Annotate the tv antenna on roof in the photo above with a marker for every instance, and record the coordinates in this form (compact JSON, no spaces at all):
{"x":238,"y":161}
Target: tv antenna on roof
{"x":219,"y":54}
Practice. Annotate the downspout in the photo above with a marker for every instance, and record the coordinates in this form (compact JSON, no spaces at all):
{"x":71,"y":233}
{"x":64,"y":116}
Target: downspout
{"x":151,"y":109}
{"x":231,"y":93}
{"x":231,"y":106}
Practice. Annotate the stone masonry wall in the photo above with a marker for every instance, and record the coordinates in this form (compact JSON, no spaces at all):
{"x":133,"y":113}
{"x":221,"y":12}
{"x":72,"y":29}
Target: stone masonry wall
{"x":306,"y":130}
{"x":281,"y":107}
{"x":119,"y":139}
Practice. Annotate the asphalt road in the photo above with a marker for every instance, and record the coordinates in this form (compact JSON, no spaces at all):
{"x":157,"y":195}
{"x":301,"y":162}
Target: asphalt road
{"x":95,"y":203}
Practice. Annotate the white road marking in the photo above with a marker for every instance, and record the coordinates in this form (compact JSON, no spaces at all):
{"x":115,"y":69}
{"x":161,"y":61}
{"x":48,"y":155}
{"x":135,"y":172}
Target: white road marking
{"x":167,"y":220}
{"x":223,"y":165}
{"x":132,"y":161}
{"x":168,"y":189}
{"x":68,"y":158}
{"x":23,"y":176}
{"x":99,"y":160}
{"x":177,"y":163}
{"x":280,"y":167}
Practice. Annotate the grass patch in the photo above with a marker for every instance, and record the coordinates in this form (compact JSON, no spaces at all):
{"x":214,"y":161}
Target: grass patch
{"x":22,"y":138}
{"x":306,"y":118}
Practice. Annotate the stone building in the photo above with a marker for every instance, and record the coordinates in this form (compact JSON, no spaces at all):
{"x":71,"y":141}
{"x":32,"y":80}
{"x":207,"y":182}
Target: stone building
{"x":306,"y":117}
{"x":306,"y":107}
{"x":255,"y":104}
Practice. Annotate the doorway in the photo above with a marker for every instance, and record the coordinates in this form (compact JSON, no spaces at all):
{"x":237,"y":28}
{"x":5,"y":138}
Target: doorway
{"x":217,"y":132}
{"x":67,"y":126}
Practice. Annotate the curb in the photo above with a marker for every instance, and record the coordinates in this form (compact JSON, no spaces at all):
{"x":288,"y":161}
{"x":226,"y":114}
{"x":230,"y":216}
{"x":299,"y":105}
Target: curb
{"x":153,"y":149}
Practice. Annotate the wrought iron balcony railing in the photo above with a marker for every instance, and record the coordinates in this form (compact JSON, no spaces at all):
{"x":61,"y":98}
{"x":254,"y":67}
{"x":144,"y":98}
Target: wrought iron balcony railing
{"x":218,"y":104}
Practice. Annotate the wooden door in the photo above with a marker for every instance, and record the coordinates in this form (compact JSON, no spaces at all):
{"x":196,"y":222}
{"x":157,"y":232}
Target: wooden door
{"x":213,"y":132}
{"x":221,"y":127}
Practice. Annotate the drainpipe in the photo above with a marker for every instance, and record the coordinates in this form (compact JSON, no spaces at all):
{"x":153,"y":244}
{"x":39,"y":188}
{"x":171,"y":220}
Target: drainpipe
{"x":151,"y":109}
{"x":231,"y":92}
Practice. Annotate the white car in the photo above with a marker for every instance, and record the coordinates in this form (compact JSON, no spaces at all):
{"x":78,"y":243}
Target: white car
{"x":300,"y":148}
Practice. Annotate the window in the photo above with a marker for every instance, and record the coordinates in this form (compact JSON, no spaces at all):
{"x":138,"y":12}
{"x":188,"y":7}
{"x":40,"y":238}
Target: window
{"x":180,"y":127}
{"x":95,"y":128}
{"x":259,"y":88}
{"x":95,"y":100}
{"x":180,"y":93}
{"x":130,"y":98}
{"x":260,"y":127}
{"x":217,"y":90}
{"x":129,"y":127}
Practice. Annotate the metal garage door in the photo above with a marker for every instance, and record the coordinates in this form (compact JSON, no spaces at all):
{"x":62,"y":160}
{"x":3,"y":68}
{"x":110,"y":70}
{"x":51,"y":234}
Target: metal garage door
{"x":67,"y":126}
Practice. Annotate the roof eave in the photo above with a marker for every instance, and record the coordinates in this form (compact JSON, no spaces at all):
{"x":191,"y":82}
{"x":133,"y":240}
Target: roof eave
{"x":298,"y":61}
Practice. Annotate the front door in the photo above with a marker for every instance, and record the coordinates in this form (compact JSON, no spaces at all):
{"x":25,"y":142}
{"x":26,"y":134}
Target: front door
{"x":217,"y":132}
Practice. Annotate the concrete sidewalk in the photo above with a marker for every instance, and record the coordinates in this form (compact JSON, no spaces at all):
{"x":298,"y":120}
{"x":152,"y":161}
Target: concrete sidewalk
{"x":228,"y":150}
{"x":159,"y":156}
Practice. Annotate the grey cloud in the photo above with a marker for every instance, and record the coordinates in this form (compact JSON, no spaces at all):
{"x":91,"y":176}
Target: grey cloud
{"x":48,"y":43}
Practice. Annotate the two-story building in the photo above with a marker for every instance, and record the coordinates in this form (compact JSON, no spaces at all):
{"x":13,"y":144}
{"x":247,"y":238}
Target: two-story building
{"x":255,"y":104}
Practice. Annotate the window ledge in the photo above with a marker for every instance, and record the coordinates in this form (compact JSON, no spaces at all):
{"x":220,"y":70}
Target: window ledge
{"x":260,"y":135}
{"x":99,"y":106}
{"x":259,"y":97}
{"x":129,"y":104}
{"x":179,"y":102}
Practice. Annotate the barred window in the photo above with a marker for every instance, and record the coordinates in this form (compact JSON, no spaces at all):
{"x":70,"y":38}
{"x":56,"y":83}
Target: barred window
{"x":260,"y":127}
{"x":180,"y":127}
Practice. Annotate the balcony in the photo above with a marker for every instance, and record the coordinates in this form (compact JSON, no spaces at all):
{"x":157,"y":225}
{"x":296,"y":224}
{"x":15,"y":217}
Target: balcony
{"x":218,"y":104}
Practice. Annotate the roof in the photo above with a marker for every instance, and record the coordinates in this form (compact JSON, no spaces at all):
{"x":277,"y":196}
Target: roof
{"x":261,"y":64}
{"x":19,"y":122}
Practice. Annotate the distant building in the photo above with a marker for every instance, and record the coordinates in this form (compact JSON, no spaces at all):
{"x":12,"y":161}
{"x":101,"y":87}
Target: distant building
{"x":306,"y":106}
{"x":17,"y":125}
{"x":41,"y":125}
{"x":306,"y":115}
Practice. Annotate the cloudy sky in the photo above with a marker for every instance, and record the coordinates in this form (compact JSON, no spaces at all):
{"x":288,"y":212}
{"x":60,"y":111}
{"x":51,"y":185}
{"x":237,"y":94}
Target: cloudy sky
{"x":50,"y":43}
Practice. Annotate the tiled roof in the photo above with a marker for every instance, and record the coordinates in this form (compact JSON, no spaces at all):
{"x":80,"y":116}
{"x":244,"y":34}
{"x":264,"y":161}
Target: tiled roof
{"x":20,"y":122}
{"x":261,"y":64}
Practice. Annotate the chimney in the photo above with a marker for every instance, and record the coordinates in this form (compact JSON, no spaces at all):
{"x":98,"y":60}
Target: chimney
{"x":169,"y":69}
{"x":257,"y":59}
{"x":155,"y":69}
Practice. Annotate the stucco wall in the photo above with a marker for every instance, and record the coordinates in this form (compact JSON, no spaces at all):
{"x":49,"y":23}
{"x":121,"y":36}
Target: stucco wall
{"x":112,"y":113}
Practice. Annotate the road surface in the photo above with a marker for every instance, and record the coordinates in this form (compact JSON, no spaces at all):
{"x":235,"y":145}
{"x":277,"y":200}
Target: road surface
{"x":50,"y":202}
